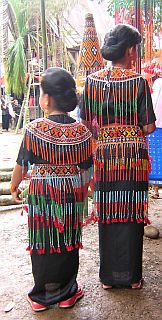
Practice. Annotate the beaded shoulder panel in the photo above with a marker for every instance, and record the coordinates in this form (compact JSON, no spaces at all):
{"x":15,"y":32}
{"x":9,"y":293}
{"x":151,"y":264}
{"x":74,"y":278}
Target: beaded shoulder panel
{"x":116,"y":74}
{"x":58,"y":133}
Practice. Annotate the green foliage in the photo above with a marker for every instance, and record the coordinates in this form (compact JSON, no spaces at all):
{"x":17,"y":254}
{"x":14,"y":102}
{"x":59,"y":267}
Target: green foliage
{"x":146,"y":5}
{"x":25,"y":11}
{"x":16,"y":67}
{"x":16,"y":59}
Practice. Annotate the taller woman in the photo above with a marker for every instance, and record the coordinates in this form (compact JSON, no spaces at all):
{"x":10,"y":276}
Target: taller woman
{"x":117,"y":107}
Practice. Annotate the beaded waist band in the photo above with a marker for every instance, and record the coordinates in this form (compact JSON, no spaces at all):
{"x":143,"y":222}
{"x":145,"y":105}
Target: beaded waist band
{"x":120,"y":134}
{"x":44,"y":171}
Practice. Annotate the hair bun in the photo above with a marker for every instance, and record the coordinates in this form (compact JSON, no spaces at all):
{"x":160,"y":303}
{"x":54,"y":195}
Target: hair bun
{"x":70,"y":92}
{"x":110,"y":40}
{"x":118,"y":40}
{"x":59,"y":84}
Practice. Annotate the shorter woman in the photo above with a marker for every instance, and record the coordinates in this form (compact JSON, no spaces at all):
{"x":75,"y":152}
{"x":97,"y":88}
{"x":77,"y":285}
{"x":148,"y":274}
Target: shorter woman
{"x":59,"y":149}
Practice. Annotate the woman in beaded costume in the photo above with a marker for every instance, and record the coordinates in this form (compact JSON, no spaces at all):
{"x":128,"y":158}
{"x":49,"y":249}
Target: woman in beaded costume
{"x":60,"y":152}
{"x":117,"y":108}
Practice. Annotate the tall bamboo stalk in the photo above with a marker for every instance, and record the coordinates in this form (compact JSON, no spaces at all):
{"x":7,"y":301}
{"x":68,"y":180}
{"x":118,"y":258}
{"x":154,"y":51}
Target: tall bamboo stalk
{"x":44,"y":34}
{"x":138,"y":26}
{"x":25,"y":108}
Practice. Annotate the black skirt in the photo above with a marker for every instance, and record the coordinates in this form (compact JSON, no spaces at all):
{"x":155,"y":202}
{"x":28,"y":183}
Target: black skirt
{"x":121,"y":246}
{"x":54,"y":276}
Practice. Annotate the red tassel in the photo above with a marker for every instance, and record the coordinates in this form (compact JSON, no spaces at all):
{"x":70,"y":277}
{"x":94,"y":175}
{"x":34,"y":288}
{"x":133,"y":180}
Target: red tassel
{"x":25,"y":208}
{"x":40,"y":251}
{"x":146,"y":221}
{"x":138,"y":162}
{"x":42,"y":219}
{"x":61,"y":228}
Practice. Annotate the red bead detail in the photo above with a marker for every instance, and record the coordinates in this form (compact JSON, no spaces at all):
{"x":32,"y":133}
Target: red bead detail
{"x":40,"y":251}
{"x":51,"y":250}
{"x":42,"y":219}
{"x":25,"y":208}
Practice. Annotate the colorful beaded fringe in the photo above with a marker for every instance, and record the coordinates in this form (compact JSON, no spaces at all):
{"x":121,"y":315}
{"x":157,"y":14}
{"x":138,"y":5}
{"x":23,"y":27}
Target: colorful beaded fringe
{"x":58,"y":190}
{"x":121,"y":155}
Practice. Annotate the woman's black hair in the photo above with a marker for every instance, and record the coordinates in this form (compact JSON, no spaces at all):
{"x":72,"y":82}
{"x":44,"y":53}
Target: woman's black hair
{"x":120,"y":38}
{"x":60,"y":85}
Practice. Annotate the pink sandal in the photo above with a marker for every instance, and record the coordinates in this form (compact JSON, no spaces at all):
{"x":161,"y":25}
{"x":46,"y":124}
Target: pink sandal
{"x":137,"y":285}
{"x":37,"y":307}
{"x":71,"y":301}
{"x":106,"y":287}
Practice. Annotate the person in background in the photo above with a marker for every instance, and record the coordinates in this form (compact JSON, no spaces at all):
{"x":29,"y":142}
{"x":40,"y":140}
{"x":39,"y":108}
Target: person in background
{"x":117,"y":107}
{"x":60,"y":151}
{"x":5,"y":114}
{"x":16,"y":108}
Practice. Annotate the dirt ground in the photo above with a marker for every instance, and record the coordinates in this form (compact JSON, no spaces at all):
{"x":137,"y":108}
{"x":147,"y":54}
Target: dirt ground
{"x":97,"y":304}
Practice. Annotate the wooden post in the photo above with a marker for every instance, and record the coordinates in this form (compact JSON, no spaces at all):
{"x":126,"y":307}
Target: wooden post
{"x":44,"y":34}
{"x":138,"y":26}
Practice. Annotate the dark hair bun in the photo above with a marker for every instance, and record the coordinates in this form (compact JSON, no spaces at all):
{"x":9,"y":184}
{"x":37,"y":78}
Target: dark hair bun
{"x":118,"y":40}
{"x":59,"y":84}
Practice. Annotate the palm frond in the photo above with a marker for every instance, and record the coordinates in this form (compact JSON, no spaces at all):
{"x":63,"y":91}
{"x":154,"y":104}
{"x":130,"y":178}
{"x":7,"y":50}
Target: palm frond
{"x":19,"y":12}
{"x":16,"y":68}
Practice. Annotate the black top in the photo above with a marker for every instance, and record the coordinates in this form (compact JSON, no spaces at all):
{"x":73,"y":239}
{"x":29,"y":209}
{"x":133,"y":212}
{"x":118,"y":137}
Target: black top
{"x":119,"y":100}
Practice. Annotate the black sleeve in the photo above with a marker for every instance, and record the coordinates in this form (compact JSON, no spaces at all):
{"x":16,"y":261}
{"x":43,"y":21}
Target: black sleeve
{"x":146,"y":113}
{"x":86,"y":164}
{"x":24,"y":156}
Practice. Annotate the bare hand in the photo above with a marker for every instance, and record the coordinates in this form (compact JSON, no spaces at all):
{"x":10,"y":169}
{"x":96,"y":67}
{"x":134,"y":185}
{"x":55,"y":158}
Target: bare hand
{"x":16,"y":196}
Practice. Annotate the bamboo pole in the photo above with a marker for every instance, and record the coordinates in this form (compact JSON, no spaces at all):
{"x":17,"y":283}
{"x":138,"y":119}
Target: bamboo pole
{"x":44,"y":34}
{"x":24,"y":108}
{"x":138,"y":26}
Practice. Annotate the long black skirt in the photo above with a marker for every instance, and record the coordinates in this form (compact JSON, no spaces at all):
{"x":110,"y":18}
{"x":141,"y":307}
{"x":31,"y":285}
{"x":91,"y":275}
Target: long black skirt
{"x":121,"y":247}
{"x":54,"y":276}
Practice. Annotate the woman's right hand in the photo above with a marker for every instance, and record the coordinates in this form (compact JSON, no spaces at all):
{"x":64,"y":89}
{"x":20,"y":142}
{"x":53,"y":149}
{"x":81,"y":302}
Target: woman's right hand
{"x":16,"y":196}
